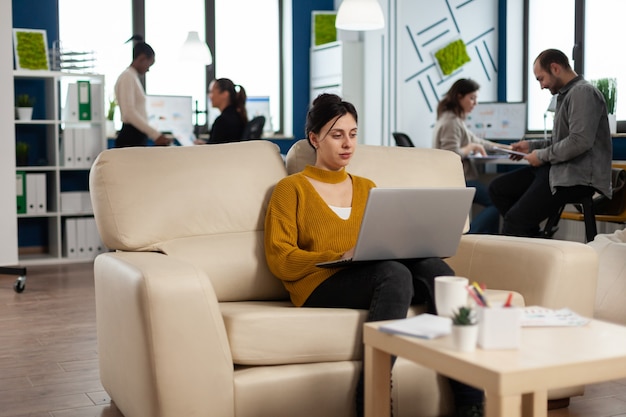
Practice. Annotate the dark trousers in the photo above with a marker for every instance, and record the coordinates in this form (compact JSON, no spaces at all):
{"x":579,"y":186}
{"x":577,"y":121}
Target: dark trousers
{"x":386,"y":289}
{"x":487,"y":221}
{"x":129,"y":135}
{"x":524,"y":199}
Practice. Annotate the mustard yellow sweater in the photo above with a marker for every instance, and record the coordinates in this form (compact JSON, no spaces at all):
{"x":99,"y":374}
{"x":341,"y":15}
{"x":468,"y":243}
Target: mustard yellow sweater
{"x":301,"y":230}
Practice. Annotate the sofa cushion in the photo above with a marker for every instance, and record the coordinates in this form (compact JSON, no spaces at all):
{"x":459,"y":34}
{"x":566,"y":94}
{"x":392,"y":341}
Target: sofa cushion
{"x":276,"y":333}
{"x":234,"y":262}
{"x":148,"y":195}
{"x":273,"y":333}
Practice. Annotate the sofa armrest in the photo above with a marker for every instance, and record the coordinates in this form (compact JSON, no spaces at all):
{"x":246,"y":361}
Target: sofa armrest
{"x":163,"y":348}
{"x":550,"y":273}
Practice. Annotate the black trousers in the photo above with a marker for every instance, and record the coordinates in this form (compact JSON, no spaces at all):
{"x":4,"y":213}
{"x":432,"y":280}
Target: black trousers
{"x":129,"y":135}
{"x":524,"y":199}
{"x":387,"y":289}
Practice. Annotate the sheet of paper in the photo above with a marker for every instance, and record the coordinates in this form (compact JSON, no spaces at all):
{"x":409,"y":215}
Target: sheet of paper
{"x":425,"y":326}
{"x":535,"y":316}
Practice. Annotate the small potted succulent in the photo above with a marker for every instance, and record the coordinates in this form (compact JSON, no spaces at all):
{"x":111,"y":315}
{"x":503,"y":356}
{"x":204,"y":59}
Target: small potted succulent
{"x":24,"y":106}
{"x":464,"y":329}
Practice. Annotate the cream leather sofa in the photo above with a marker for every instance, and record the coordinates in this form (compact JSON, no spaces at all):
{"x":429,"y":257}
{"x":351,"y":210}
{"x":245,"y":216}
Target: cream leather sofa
{"x":191,"y":322}
{"x":611,"y":249}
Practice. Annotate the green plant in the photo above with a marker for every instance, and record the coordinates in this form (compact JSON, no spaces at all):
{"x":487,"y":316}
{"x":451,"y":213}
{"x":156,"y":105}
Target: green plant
{"x":21,"y":153}
{"x":111,"y":112}
{"x":608,"y":88}
{"x":24,"y":100}
{"x":464,"y":316}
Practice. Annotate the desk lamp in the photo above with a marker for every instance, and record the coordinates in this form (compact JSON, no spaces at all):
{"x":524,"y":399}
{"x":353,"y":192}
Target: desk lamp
{"x":360,"y":15}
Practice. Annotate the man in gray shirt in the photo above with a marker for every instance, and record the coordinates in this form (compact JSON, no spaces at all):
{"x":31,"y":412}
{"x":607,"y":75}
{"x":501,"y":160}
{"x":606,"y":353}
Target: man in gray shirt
{"x":575,"y":162}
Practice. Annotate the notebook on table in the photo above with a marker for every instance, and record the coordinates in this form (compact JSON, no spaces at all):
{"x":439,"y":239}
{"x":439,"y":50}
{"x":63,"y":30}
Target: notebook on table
{"x":407,"y":223}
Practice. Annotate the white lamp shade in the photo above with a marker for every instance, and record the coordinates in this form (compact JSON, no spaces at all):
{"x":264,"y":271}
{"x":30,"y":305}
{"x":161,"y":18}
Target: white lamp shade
{"x":195,"y":50}
{"x":360,"y":15}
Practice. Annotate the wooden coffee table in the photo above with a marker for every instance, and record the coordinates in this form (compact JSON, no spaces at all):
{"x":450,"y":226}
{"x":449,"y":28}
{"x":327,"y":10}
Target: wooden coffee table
{"x":515,"y":382}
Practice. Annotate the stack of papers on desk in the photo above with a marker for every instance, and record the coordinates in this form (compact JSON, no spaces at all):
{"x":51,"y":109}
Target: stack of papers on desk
{"x":535,"y":316}
{"x":425,"y":326}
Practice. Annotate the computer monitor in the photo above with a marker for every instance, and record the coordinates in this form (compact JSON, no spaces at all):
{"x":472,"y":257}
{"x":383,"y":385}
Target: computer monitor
{"x":172,"y":114}
{"x":255,"y":106}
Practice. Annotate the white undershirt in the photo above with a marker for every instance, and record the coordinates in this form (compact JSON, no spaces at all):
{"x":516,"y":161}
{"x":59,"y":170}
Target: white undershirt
{"x":342,"y":212}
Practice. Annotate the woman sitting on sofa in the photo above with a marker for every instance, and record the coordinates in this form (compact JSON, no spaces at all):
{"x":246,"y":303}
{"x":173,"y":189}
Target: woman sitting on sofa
{"x":314,"y":216}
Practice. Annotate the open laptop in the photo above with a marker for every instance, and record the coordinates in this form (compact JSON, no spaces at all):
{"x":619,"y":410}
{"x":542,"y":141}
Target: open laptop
{"x":407,"y":223}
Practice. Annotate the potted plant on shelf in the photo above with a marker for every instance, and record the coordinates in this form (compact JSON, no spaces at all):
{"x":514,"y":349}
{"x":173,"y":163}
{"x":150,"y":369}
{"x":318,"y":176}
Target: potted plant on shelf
{"x":21,"y":153}
{"x":24,"y":105}
{"x":464,"y":329}
{"x":608,"y":88}
{"x":110,"y":125}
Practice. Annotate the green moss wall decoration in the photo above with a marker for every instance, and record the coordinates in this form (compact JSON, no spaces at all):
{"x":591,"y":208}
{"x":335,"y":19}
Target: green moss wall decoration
{"x":452,"y":57}
{"x":31,"y":50}
{"x":324,"y":30}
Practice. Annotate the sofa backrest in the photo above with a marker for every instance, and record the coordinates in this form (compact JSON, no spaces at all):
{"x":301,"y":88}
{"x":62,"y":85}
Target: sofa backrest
{"x":392,"y":166}
{"x":201,"y":204}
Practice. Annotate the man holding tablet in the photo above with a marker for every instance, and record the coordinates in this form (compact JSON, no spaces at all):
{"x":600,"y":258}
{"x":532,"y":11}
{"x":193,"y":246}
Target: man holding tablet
{"x":575,"y":162}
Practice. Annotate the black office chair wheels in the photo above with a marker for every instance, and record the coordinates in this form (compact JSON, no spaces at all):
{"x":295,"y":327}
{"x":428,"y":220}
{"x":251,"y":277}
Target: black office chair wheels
{"x":20,"y":284}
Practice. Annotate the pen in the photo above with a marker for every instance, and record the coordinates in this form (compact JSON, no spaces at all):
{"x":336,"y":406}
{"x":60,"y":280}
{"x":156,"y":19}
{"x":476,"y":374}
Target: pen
{"x":508,"y":300}
{"x":480,"y":294}
{"x":472,"y":294}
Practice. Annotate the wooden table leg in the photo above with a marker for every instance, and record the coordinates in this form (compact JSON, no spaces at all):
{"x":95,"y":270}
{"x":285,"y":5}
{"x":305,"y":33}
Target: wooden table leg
{"x":377,"y":384}
{"x":500,"y":406}
{"x":535,"y":404}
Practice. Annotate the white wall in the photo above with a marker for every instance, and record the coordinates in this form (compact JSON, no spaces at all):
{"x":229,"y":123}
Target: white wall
{"x":8,"y":219}
{"x":402,"y":83}
{"x":515,"y":48}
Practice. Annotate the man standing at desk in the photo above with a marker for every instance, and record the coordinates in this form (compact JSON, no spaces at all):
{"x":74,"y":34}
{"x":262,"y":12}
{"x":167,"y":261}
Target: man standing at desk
{"x":575,"y":162}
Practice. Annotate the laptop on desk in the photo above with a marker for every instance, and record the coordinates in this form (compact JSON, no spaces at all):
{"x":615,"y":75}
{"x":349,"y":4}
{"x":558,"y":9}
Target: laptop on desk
{"x":407,"y":223}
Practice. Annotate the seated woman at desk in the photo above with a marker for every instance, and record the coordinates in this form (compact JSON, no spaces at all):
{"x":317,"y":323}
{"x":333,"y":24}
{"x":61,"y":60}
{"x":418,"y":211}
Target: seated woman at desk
{"x":452,"y":134}
{"x":230,"y":99}
{"x":314,"y":216}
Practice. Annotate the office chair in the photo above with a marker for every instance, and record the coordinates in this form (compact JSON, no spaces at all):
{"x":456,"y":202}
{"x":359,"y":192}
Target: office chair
{"x":254,"y":128}
{"x":402,"y":139}
{"x":20,"y":271}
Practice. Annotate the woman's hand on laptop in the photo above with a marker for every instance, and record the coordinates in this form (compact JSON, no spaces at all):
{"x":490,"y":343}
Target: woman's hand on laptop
{"x":348,"y":254}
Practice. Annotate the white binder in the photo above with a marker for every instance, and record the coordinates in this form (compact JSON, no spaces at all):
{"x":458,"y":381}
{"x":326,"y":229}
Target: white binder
{"x":70,"y":238}
{"x":93,"y":145}
{"x":42,"y":193}
{"x":79,"y":147}
{"x":81,"y":238}
{"x":31,"y":194}
{"x":70,"y":111}
{"x":36,"y":193}
{"x":68,"y":147}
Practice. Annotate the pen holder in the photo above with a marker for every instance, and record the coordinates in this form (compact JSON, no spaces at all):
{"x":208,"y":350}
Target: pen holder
{"x":499,"y":327}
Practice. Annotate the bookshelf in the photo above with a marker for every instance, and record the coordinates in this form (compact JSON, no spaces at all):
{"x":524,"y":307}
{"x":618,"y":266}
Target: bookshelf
{"x":61,"y":148}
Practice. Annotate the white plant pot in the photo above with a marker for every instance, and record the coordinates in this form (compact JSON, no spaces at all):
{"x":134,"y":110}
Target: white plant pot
{"x":110,"y":129}
{"x":612,"y":124}
{"x":464,"y":338}
{"x":24,"y":113}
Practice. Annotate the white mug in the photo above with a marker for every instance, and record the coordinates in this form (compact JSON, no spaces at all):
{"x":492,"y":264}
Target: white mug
{"x":450,"y":294}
